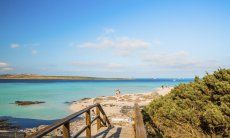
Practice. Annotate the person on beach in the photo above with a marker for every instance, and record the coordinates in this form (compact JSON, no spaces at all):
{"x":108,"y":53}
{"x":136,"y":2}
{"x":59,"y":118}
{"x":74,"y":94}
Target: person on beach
{"x":117,"y":94}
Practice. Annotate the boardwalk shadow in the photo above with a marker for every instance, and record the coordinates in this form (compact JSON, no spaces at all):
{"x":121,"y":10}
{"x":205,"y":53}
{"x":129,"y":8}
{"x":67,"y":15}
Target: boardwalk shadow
{"x":109,"y":133}
{"x":116,"y":133}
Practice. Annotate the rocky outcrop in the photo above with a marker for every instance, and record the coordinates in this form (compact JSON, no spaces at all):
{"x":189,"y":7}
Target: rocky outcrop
{"x":23,"y":103}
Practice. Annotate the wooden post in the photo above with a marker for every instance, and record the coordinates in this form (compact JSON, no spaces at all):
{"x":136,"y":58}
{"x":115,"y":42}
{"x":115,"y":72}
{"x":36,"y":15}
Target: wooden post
{"x":139,"y":129}
{"x":66,"y":133}
{"x":104,"y":119}
{"x":98,"y":120}
{"x":88,"y":120}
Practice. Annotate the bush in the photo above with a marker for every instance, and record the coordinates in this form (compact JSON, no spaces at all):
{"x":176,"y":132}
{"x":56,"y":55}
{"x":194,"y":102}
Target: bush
{"x":198,"y":108}
{"x":5,"y":125}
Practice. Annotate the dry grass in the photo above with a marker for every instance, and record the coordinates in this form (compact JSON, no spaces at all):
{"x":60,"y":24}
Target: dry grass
{"x":111,"y":98}
{"x":126,"y":109}
{"x":110,"y":105}
{"x":98,"y":100}
{"x":127,"y":96}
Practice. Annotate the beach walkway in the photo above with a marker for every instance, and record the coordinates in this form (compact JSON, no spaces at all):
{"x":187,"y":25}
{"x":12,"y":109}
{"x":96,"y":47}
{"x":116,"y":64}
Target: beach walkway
{"x":112,"y":132}
{"x":133,"y":129}
{"x":117,"y":132}
{"x":98,"y":127}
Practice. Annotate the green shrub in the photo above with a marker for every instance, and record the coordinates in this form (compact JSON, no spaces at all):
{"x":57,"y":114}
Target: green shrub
{"x":5,"y":125}
{"x":198,"y":108}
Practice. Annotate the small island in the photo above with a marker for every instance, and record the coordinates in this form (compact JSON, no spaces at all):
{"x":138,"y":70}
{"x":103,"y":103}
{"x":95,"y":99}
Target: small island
{"x":46,"y":77}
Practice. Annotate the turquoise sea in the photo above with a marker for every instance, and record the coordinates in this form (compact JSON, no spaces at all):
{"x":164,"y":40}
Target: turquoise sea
{"x":56,"y":92}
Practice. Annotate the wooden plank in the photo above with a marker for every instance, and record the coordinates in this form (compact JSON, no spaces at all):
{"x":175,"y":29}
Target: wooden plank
{"x":139,"y":127}
{"x":66,"y":131}
{"x":95,"y":118}
{"x":65,"y":122}
{"x":88,"y":123}
{"x":98,"y":119}
{"x":57,"y":124}
{"x":80,"y":131}
{"x":104,"y":119}
{"x":104,"y":116}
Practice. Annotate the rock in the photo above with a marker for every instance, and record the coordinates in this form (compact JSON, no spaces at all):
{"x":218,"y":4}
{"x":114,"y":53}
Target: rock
{"x":85,"y":99}
{"x":42,"y":126}
{"x":22,"y":103}
{"x":126,"y":109}
{"x":69,"y":102}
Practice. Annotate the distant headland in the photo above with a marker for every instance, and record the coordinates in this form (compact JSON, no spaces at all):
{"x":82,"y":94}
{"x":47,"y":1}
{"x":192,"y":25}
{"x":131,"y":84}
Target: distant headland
{"x":47,"y":77}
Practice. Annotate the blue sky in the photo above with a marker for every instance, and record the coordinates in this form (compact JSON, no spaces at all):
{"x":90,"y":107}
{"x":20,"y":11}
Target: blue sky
{"x":115,"y":38}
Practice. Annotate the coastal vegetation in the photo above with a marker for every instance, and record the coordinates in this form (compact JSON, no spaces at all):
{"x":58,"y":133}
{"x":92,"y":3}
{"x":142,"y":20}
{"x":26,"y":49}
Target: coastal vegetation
{"x":6,"y":125}
{"x":197,"y":109}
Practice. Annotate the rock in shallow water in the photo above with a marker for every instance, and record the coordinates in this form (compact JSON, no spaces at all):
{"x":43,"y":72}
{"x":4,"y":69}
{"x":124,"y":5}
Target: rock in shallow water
{"x":28,"y":102}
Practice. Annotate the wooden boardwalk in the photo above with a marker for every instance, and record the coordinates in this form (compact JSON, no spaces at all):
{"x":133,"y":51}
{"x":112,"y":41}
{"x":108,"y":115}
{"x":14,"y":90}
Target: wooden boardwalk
{"x":113,"y":132}
{"x":98,"y":127}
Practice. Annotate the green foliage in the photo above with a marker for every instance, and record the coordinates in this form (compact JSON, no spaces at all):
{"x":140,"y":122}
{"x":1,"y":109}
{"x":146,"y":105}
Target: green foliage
{"x":4,"y":124}
{"x":199,"y":108}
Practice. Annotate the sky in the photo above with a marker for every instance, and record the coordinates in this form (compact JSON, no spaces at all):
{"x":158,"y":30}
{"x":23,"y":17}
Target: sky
{"x":115,"y":38}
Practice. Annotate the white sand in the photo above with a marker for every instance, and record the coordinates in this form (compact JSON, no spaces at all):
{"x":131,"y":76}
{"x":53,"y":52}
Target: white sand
{"x":120,"y":107}
{"x":163,"y":91}
{"x":117,"y":108}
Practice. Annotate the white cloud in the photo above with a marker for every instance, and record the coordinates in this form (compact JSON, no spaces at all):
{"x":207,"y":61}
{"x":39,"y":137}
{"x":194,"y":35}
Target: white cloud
{"x":2,"y":64}
{"x":34,"y":52}
{"x":178,"y":60}
{"x":31,"y":45}
{"x":119,"y":46}
{"x":127,"y":43}
{"x":85,"y":64}
{"x":115,"y":65}
{"x":5,"y":67}
{"x":109,"y":30}
{"x":157,"y":42}
{"x":97,"y":65}
{"x":151,"y":57}
{"x":14,"y":45}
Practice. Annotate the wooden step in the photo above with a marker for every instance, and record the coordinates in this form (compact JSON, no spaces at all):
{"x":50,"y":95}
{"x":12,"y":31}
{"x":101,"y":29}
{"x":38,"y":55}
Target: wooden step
{"x":113,"y":132}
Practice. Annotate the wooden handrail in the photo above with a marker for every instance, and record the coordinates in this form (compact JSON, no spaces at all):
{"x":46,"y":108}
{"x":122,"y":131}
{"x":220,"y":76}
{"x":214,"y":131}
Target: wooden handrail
{"x":65,"y":122}
{"x":139,"y":127}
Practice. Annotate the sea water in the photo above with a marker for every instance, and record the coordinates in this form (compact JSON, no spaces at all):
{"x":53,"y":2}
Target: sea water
{"x":55,"y":94}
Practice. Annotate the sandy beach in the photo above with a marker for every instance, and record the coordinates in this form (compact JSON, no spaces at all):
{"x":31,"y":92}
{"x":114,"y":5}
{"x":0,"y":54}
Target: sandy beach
{"x":119,"y":107}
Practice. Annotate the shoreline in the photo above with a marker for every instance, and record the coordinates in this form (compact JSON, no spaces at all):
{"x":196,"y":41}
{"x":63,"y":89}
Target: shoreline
{"x":118,"y":108}
{"x":121,"y":105}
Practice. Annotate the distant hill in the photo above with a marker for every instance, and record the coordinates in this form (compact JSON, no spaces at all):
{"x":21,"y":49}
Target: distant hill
{"x":44,"y":77}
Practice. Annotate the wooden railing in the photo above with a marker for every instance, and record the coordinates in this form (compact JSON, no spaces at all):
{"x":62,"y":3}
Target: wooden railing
{"x":139,"y":127}
{"x":65,"y":123}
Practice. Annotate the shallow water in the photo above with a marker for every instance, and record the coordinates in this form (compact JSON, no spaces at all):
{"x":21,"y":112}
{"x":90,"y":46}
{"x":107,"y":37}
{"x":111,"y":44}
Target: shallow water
{"x":56,"y":92}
